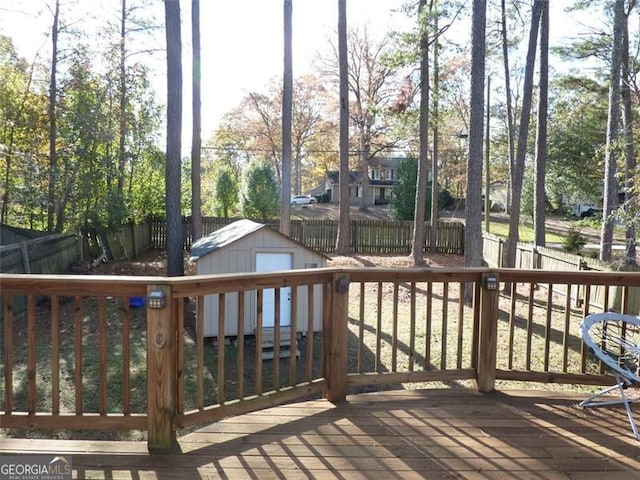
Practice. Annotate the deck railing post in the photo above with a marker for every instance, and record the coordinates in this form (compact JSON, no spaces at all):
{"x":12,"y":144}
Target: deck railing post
{"x":487,"y":340}
{"x":161,"y":368}
{"x":335,"y":343}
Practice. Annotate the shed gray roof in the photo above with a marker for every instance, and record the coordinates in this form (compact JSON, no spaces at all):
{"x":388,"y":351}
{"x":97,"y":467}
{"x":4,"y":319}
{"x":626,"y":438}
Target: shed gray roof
{"x":223,"y":237}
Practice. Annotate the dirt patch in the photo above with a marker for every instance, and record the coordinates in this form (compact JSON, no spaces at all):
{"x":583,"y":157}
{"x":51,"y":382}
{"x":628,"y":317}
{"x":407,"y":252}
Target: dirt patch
{"x":155,"y":263}
{"x":395,"y":261}
{"x":152,"y":263}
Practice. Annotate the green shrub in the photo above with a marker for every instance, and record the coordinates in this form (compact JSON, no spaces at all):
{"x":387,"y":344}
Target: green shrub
{"x":574,"y":241}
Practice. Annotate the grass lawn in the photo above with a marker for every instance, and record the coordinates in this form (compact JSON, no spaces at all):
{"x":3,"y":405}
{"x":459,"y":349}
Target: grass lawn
{"x":525,"y":233}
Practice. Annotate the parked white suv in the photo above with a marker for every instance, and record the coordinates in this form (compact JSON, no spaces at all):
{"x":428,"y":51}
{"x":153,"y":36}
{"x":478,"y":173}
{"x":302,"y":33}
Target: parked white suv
{"x":302,"y":200}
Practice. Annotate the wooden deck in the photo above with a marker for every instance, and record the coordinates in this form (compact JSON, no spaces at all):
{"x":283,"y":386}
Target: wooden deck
{"x":401,"y":434}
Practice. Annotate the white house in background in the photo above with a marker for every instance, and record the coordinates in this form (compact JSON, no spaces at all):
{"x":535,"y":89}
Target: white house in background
{"x":246,"y":246}
{"x":498,"y":196}
{"x":383,"y":177}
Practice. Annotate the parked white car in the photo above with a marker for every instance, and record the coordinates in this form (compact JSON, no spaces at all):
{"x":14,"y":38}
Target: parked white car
{"x":302,"y":200}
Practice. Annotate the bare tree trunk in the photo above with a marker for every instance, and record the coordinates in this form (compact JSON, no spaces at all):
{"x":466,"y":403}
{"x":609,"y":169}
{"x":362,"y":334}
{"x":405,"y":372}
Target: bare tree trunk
{"x":297,"y":175}
{"x":175,"y":262}
{"x":123,"y":102}
{"x":523,"y":133}
{"x":196,"y":136}
{"x":296,"y":162}
{"x":4,"y":211}
{"x":287,"y":106}
{"x":611,"y":157}
{"x":423,"y":158}
{"x":473,"y":210}
{"x":511,"y":135}
{"x":435,"y":192}
{"x":344,"y":224}
{"x":53,"y":93}
{"x":365,"y":154}
{"x":487,"y":157}
{"x":539,"y":203}
{"x":629,"y":150}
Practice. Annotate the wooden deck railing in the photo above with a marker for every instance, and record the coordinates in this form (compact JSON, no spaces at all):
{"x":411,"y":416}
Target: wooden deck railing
{"x":78,"y":354}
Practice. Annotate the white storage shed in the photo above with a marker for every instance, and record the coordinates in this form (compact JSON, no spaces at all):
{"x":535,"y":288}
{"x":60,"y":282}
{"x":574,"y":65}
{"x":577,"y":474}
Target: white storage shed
{"x":247,"y":246}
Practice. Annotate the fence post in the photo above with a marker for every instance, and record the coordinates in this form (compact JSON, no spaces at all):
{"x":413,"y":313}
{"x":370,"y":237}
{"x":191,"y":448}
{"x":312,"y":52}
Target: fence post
{"x":26,"y":262}
{"x":487,"y":339}
{"x":354,"y":236}
{"x":161,"y":369}
{"x":80,"y":245}
{"x":335,"y":343}
{"x":582,"y":265}
{"x":132,"y":232}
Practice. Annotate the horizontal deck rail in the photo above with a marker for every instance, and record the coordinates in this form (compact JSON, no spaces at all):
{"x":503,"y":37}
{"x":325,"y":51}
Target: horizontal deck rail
{"x":79,"y":352}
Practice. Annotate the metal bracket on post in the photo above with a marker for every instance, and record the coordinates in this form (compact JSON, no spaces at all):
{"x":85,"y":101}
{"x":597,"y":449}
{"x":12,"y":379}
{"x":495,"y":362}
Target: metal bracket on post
{"x":342,"y":285}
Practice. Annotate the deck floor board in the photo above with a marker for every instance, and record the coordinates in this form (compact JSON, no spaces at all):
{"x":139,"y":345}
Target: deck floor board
{"x":402,"y":434}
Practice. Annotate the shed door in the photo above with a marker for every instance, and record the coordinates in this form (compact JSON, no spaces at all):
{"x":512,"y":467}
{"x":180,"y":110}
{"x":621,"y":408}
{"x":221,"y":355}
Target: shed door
{"x":272,"y":262}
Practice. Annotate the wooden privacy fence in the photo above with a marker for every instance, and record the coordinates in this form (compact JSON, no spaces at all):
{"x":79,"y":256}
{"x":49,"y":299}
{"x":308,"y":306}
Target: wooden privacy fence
{"x":10,"y":235}
{"x":83,"y":357}
{"x":55,"y":253}
{"x":528,"y":256}
{"x":126,"y":242}
{"x":129,"y":241}
{"x":367,"y":236}
{"x":47,"y":254}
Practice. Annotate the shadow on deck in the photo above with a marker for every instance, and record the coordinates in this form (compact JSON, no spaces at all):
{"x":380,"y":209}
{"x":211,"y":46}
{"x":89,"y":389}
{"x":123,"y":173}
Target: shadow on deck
{"x":401,"y":434}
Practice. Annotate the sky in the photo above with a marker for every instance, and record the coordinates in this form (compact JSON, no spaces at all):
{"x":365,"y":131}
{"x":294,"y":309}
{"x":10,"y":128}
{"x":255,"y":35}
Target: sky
{"x":241,"y":41}
{"x":240,"y":57}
